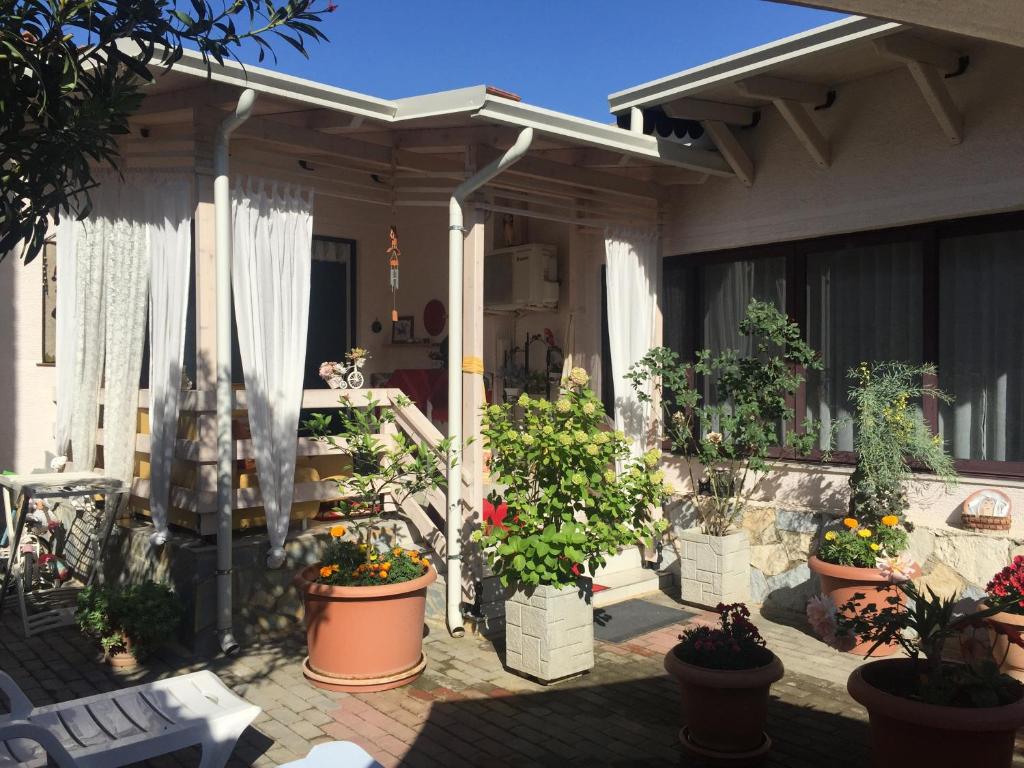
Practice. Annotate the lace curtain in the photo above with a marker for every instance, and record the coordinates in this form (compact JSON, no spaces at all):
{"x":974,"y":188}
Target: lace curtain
{"x":632,"y":263}
{"x":273,"y":231}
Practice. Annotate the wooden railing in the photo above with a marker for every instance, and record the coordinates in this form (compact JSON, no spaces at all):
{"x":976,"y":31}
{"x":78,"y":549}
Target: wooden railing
{"x":194,"y":479}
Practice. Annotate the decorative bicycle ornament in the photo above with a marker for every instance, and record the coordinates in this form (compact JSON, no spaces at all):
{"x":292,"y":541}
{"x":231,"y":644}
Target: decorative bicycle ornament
{"x":338,"y":375}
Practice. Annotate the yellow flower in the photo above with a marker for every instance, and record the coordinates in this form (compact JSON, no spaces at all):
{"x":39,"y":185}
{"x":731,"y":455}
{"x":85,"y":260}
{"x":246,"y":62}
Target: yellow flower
{"x":652,"y":457}
{"x":396,"y":551}
{"x":831,"y":536}
{"x":875,"y":547}
{"x":850,"y":523}
{"x":589,"y":409}
{"x":864,"y":533}
{"x":890,"y":520}
{"x":338,"y":531}
{"x":373,"y":556}
{"x":524,"y":400}
{"x":562,"y":405}
{"x":609,"y":475}
{"x":579,"y":377}
{"x":325,"y":572}
{"x":593,"y":450}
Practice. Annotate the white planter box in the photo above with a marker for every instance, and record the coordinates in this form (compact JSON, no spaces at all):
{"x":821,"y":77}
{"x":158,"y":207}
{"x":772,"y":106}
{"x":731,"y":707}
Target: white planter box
{"x":714,"y":569}
{"x":549,"y":633}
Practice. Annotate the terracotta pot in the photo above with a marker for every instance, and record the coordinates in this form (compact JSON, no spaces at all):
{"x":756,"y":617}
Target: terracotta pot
{"x":724,"y":710}
{"x":363,"y":638}
{"x":910,"y":733}
{"x":1009,"y":656}
{"x":842,"y":582}
{"x":122,"y":659}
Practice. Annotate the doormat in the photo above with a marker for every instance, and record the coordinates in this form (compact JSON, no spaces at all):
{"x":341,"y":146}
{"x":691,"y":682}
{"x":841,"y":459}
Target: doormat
{"x":632,"y":618}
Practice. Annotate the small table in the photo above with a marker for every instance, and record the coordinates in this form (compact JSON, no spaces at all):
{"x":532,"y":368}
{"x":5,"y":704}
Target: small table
{"x":18,"y":491}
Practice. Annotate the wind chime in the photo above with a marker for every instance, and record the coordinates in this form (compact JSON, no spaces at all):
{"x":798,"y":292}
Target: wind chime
{"x":393,"y":253}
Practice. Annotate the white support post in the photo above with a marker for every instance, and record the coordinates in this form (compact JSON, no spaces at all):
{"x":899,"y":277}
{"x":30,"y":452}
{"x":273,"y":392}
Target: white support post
{"x":731,"y":150}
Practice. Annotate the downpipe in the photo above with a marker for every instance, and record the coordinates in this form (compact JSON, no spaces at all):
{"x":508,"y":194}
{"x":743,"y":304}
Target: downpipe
{"x":456,"y":253}
{"x":225,"y":448}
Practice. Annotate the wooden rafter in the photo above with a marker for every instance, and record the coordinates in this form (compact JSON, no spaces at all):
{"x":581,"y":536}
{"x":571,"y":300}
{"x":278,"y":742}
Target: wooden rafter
{"x":731,"y":150}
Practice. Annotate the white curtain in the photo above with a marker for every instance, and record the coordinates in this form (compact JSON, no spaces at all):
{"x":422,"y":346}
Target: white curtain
{"x":67,"y":329}
{"x":633,"y":284}
{"x":981,"y":345}
{"x":170,"y":245}
{"x":273,"y":231}
{"x":864,"y":305}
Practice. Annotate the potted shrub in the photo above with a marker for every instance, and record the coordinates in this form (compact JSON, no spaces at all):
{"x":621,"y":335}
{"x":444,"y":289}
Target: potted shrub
{"x":1007,"y":588}
{"x":129,"y":622}
{"x":724,"y":675}
{"x":891,"y":434}
{"x":568,"y":508}
{"x":365,"y":598}
{"x":727,"y":446}
{"x":926,"y":709}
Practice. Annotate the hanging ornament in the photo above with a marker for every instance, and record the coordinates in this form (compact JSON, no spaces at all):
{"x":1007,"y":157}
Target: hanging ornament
{"x":393,"y":253}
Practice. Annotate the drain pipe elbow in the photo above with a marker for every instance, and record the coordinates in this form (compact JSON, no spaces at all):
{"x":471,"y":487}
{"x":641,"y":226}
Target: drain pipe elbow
{"x":456,"y":245}
{"x":225,"y":446}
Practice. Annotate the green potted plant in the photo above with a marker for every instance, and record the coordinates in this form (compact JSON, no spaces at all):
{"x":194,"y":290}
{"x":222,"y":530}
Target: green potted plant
{"x":727,"y":446}
{"x":891,"y":437}
{"x":1007,"y":589}
{"x":568,"y":508}
{"x":724,"y":675}
{"x":129,"y":622}
{"x":365,"y":598}
{"x":926,"y":709}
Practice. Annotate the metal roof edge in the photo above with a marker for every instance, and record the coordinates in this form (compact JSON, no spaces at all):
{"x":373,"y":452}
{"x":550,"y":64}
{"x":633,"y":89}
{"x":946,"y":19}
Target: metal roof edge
{"x":441,"y":103}
{"x":753,"y":60}
{"x":578,"y":129}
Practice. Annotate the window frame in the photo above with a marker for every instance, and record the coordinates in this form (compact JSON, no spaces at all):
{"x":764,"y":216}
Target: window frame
{"x":797,"y":254}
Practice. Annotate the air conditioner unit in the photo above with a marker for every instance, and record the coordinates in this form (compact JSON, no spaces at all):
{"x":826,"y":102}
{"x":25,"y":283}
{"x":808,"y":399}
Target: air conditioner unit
{"x":522,"y":277}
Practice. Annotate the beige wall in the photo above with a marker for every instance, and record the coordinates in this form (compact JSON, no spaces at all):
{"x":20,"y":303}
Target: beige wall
{"x":891,"y":165}
{"x":27,"y":410}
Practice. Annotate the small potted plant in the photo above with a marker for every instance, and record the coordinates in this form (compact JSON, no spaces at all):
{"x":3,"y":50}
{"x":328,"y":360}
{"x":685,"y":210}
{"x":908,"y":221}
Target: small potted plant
{"x":927,"y":709}
{"x":724,"y":675}
{"x":856,"y":555}
{"x":568,"y":508}
{"x":1007,"y":587}
{"x":357,"y":356}
{"x":365,"y":598}
{"x":727,"y":446}
{"x":129,"y":622}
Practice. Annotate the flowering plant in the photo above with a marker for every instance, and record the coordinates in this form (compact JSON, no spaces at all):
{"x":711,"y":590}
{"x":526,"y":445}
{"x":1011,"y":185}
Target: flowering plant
{"x":554,"y":468}
{"x":350,"y":563}
{"x":330,"y":370}
{"x":734,"y":644}
{"x":922,"y":629}
{"x":1007,"y":586}
{"x":356,"y":354}
{"x":861,"y":545}
{"x":728,"y":444}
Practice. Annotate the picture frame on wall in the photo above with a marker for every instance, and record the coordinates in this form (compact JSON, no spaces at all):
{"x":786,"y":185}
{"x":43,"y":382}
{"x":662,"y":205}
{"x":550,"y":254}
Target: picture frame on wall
{"x":402,"y":330}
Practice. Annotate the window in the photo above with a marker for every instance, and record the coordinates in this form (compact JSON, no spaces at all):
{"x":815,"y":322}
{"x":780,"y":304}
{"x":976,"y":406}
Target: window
{"x":945,"y":293}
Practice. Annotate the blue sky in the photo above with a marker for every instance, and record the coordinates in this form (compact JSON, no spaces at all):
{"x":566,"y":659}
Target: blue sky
{"x":562,"y":54}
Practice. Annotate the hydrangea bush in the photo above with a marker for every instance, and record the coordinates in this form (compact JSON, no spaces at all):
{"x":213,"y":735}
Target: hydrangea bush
{"x":554,"y":466}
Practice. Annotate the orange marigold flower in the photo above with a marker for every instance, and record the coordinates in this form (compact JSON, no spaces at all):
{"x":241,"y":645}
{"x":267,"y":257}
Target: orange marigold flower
{"x":338,"y":531}
{"x":325,"y":572}
{"x":850,"y":522}
{"x":396,"y":551}
{"x":890,"y":520}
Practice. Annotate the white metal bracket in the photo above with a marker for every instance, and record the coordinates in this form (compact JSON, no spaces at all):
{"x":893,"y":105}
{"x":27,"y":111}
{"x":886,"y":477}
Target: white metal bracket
{"x":731,"y":150}
{"x":792,"y":99}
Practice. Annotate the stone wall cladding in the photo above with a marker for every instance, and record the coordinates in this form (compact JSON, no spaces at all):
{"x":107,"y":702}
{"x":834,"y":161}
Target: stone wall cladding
{"x":714,"y":569}
{"x":549,"y":632}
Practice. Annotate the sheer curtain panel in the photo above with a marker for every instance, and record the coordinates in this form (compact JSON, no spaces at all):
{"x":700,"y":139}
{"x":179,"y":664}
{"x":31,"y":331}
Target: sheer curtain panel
{"x":633,"y":288}
{"x":273,"y":231}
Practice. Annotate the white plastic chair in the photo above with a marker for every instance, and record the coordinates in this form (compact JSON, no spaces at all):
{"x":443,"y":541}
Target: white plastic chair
{"x":335,"y":754}
{"x":126,"y":726}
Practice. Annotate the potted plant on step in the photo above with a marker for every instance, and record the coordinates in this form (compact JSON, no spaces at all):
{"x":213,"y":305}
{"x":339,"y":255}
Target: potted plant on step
{"x":129,"y":622}
{"x":724,"y":675}
{"x":857,"y":554}
{"x":727,"y":445}
{"x":568,"y":509}
{"x":1007,"y":588}
{"x":365,"y":598}
{"x":928,"y":709}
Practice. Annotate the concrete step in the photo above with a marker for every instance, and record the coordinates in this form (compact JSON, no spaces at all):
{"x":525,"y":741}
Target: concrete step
{"x":625,"y":585}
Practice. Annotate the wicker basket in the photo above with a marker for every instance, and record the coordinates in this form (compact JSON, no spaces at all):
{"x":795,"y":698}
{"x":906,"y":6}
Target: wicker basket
{"x":972,"y":520}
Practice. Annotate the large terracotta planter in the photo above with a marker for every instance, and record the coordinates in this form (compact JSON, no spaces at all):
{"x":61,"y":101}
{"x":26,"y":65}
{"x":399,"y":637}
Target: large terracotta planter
{"x":363,"y":638}
{"x":724,"y":710}
{"x":1009,"y":656}
{"x":842,"y":582}
{"x":909,"y":733}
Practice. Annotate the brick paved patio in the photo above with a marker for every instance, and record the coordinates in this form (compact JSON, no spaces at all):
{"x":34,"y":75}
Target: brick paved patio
{"x":467,"y":710}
